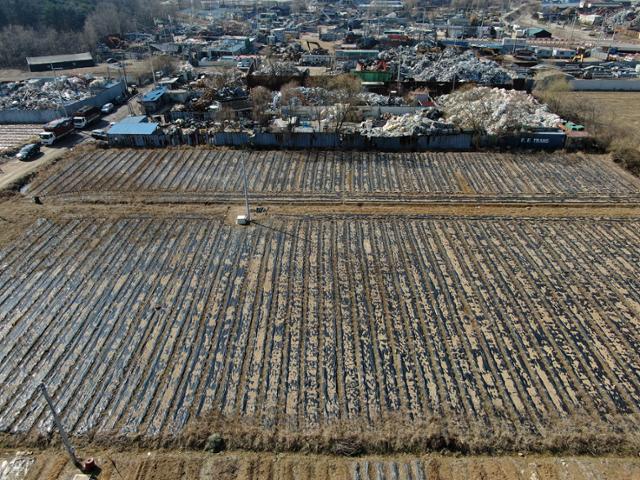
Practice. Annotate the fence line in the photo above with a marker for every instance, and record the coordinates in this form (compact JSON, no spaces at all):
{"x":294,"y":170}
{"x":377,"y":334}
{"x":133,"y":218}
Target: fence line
{"x":332,"y":141}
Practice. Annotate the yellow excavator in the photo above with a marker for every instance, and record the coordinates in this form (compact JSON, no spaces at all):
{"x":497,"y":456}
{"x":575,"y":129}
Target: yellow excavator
{"x":581,"y":53}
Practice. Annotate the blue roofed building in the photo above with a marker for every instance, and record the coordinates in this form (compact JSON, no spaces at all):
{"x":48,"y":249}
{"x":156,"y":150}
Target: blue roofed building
{"x":230,"y":46}
{"x":154,"y":100}
{"x":134,"y":131}
{"x":537,"y":33}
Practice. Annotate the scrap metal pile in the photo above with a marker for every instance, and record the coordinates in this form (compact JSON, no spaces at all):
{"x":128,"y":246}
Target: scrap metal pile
{"x":278,"y":69}
{"x":41,"y":94}
{"x":461,"y":67}
{"x":376,"y":100}
{"x":288,"y":53}
{"x":310,"y":96}
{"x":422,"y":122}
{"x":318,"y":96}
{"x":496,"y":111}
{"x":628,"y":16}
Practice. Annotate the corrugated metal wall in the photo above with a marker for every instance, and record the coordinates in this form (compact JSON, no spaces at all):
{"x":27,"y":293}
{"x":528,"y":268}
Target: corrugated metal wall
{"x":525,"y":141}
{"x":332,"y":141}
{"x":44,"y":116}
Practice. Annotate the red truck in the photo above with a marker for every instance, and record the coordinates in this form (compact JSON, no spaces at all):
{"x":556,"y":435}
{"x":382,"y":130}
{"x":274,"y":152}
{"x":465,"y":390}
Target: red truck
{"x":86,"y":115}
{"x":55,"y":130}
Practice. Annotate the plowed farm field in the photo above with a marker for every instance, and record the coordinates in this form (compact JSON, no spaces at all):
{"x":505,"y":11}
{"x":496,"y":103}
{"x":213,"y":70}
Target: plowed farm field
{"x":198,"y":175}
{"x":12,"y":136}
{"x":489,"y":330}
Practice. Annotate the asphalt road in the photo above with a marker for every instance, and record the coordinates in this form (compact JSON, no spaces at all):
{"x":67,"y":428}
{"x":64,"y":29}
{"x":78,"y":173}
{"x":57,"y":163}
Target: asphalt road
{"x":13,"y":170}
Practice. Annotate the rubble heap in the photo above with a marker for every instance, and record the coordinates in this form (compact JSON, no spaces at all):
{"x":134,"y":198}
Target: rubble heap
{"x":318,"y":96}
{"x":397,"y":53}
{"x":375,"y":100}
{"x":464,"y":67}
{"x":279,"y":69}
{"x":496,"y":111}
{"x":288,"y":53}
{"x":40,"y":94}
{"x":625,"y":16}
{"x":311,"y":96}
{"x":423,"y":122}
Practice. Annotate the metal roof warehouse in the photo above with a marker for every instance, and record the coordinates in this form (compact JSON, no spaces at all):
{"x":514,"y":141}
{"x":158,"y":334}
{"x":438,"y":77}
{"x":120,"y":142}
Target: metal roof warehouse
{"x":133,"y":129}
{"x":57,"y":62}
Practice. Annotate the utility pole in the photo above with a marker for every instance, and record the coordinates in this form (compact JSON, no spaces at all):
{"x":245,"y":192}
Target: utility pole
{"x":124,"y":72}
{"x":153,"y":72}
{"x":246,"y":192}
{"x":613,"y":38}
{"x":573,"y":26}
{"x":55,"y":78}
{"x":58,"y":422}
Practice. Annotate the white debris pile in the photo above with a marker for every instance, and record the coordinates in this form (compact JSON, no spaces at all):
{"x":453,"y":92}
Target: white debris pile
{"x":463,"y":67}
{"x":423,"y":122}
{"x":279,"y":69}
{"x":375,"y":100}
{"x":394,"y":54}
{"x":624,"y":16}
{"x":309,"y":96}
{"x":496,"y":111}
{"x":40,"y":94}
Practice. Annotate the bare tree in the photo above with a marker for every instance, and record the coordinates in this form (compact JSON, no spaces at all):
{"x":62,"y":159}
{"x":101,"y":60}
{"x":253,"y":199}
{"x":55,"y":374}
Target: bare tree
{"x":346,"y":90}
{"x":166,"y":63}
{"x":289,"y":94}
{"x":261,"y":99}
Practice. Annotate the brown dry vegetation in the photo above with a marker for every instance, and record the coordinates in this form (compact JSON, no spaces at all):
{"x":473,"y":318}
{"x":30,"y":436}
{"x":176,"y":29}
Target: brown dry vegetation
{"x":613,"y":118}
{"x":236,"y":465}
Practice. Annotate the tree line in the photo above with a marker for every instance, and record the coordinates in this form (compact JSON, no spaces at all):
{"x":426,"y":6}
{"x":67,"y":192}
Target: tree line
{"x":47,"y":27}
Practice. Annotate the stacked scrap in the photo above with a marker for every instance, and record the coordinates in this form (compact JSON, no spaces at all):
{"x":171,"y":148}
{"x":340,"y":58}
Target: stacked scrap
{"x":375,"y":100}
{"x":40,"y":94}
{"x":423,"y":122}
{"x":318,"y":96}
{"x":279,"y":69}
{"x":625,"y":16}
{"x":461,"y":67}
{"x":310,"y":96}
{"x":496,"y":111}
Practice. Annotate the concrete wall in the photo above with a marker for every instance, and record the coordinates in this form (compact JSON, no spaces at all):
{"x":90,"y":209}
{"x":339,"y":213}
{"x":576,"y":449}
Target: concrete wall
{"x":29,"y":116}
{"x":627,"y":85}
{"x":44,"y":116}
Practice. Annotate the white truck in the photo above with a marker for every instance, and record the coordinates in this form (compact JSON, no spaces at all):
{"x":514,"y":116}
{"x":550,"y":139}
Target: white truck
{"x":55,"y":130}
{"x":86,"y":115}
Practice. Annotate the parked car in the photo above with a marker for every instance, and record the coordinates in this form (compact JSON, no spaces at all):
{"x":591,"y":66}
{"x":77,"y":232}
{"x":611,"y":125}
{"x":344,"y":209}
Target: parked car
{"x":111,"y":60}
{"x":99,"y":134}
{"x":571,"y":127}
{"x":107,"y":108}
{"x":28,"y":152}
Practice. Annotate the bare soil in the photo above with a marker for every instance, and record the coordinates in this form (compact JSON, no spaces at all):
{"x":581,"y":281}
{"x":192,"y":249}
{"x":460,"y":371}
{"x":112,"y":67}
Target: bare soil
{"x":236,"y":465}
{"x":17,"y":213}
